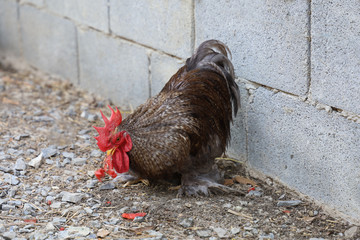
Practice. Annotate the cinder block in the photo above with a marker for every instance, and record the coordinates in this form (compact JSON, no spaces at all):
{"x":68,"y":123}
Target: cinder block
{"x":113,"y":68}
{"x":268,"y":39}
{"x":237,"y":147}
{"x":9,"y":33}
{"x":313,"y":151}
{"x":49,"y":42}
{"x":92,"y":13}
{"x":162,"y":68}
{"x":39,"y":3}
{"x":335,"y":55}
{"x":160,"y":24}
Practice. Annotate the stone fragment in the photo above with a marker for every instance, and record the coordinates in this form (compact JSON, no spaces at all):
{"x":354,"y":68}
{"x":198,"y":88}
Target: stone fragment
{"x":78,"y":231}
{"x":221,"y":232}
{"x":20,"y":164}
{"x":50,"y":151}
{"x":107,"y":186}
{"x":68,"y":155}
{"x":187,"y":222}
{"x":21,"y":136}
{"x":102,"y":233}
{"x":351,"y":232}
{"x":234,"y":231}
{"x":96,"y":153}
{"x":36,"y":162}
{"x":72,"y":197}
{"x":79,"y":161}
{"x":290,"y":203}
{"x":11,"y":179}
{"x":42,"y":119}
{"x":203,"y":233}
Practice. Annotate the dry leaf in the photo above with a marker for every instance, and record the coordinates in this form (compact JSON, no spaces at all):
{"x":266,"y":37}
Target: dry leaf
{"x":9,"y":101}
{"x":308,"y":219}
{"x":243,"y":180}
{"x":228,"y":182}
{"x":102,"y":233}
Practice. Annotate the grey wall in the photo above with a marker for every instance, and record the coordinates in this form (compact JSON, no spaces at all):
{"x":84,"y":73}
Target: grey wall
{"x":297,"y":64}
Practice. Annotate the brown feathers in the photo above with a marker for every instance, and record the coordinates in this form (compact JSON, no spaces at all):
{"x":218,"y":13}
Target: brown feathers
{"x":182,"y":129}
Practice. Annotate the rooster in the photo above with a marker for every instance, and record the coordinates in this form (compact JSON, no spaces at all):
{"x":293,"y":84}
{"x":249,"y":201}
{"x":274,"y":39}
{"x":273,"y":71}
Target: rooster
{"x":177,"y":134}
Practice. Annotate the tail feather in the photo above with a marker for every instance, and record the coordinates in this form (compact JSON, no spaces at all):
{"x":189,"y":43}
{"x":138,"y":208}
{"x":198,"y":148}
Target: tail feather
{"x":213,"y":55}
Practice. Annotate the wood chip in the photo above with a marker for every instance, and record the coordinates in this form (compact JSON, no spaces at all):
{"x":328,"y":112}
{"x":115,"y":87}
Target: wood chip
{"x":9,"y":101}
{"x":239,"y":214}
{"x":228,"y":182}
{"x":244,"y":180}
{"x":102,"y":233}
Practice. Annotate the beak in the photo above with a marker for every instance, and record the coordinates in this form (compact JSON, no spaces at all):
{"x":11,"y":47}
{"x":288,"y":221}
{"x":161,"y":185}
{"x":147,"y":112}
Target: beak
{"x":111,"y":151}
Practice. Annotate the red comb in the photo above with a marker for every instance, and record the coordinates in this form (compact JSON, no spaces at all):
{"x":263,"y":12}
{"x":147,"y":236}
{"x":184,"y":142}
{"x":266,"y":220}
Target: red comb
{"x":110,"y":125}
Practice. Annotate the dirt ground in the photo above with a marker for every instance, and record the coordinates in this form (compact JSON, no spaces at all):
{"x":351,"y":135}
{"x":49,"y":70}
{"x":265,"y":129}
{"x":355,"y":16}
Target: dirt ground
{"x":41,"y":114}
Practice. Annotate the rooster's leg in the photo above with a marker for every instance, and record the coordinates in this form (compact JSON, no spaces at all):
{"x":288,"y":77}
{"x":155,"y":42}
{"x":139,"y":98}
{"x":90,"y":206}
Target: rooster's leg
{"x":129,"y":179}
{"x":194,"y":184}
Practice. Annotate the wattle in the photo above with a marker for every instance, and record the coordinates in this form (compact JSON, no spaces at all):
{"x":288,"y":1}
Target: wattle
{"x":120,"y":160}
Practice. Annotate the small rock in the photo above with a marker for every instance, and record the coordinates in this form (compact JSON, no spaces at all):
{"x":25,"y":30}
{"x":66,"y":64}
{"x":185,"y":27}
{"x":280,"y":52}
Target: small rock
{"x":91,"y":183}
{"x":49,"y":227}
{"x":15,"y":202}
{"x":227,"y":205}
{"x":36,"y":162}
{"x":291,"y":203}
{"x":282,"y":196}
{"x":7,"y":207}
{"x":254,"y":193}
{"x":84,"y":131}
{"x":267,"y":237}
{"x":21,"y":136}
{"x":114,"y":221}
{"x":15,"y":152}
{"x":49,"y":151}
{"x":28,"y":208}
{"x":58,"y":220}
{"x":68,"y":155}
{"x":79,"y":161}
{"x":203,"y":233}
{"x":78,"y":231}
{"x":139,"y":219}
{"x":95,"y":224}
{"x":9,"y":235}
{"x":20,"y":164}
{"x":187,"y":222}
{"x":88,"y":210}
{"x":156,"y":235}
{"x":107,"y":186}
{"x":11,"y":179}
{"x":71,"y":111}
{"x":351,"y":232}
{"x":89,"y":116}
{"x":102,"y":233}
{"x":96,"y":153}
{"x":4,"y":156}
{"x":49,"y":161}
{"x":55,"y":205}
{"x":222,"y":233}
{"x":42,"y":119}
{"x":72,"y":197}
{"x":238,"y":208}
{"x":234,"y":231}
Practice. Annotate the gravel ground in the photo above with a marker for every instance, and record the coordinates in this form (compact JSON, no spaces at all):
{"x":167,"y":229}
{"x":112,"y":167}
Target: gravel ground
{"x":48,"y":189}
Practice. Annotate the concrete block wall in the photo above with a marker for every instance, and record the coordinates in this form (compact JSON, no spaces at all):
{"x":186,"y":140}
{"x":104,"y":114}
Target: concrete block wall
{"x":297,"y":65}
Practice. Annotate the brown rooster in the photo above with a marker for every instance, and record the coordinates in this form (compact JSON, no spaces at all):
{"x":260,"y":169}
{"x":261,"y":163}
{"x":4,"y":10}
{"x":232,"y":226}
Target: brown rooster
{"x":176,"y":135}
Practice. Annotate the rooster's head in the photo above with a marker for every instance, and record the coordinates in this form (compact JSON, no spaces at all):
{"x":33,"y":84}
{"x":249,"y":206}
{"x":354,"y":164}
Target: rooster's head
{"x":115,"y":143}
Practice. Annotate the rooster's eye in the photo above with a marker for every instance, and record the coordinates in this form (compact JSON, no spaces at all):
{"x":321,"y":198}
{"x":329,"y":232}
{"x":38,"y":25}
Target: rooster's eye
{"x":118,"y":139}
